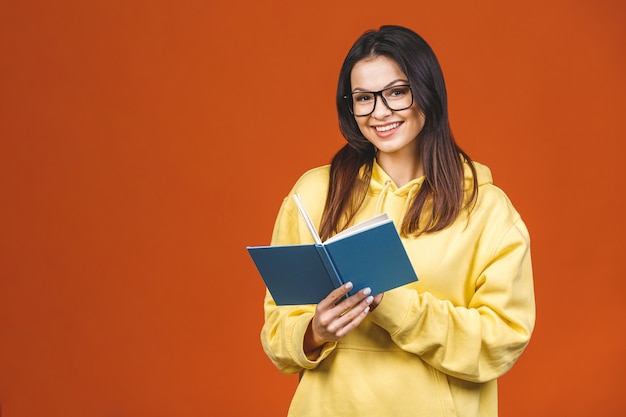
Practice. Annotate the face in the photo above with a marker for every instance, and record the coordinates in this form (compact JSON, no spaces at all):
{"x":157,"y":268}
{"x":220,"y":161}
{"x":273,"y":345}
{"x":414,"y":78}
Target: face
{"x":393,"y":133}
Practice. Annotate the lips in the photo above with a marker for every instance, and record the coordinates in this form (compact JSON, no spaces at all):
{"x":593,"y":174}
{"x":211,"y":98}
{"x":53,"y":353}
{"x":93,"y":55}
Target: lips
{"x":387,"y":127}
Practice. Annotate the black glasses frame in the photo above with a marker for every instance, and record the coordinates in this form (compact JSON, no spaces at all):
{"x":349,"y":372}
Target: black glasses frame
{"x":378,"y":93}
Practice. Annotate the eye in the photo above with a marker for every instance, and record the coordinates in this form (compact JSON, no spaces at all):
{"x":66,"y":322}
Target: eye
{"x":362,"y":97}
{"x":397,"y":92}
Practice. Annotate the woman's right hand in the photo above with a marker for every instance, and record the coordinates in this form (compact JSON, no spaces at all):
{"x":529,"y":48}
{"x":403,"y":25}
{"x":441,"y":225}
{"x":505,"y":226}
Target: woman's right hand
{"x":334,"y":318}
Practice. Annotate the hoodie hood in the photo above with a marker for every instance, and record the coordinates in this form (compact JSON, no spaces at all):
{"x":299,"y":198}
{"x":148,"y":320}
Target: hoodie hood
{"x":483,"y":175}
{"x":381,"y":184}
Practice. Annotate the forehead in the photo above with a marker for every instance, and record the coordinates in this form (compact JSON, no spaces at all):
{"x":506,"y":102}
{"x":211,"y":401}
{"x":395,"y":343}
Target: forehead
{"x":375,"y":73}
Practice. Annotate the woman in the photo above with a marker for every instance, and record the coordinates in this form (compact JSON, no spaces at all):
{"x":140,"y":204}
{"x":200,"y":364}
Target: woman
{"x":435,"y":347}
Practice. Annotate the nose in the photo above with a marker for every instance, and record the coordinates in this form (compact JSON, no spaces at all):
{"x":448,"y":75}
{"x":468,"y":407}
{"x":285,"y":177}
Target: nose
{"x":381,"y":110}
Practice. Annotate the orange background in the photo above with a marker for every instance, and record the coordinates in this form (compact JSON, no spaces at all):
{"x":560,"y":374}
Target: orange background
{"x":144,"y":144}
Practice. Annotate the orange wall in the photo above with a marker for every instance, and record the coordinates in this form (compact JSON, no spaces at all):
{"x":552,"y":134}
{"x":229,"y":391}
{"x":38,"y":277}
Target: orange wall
{"x":144,"y":144}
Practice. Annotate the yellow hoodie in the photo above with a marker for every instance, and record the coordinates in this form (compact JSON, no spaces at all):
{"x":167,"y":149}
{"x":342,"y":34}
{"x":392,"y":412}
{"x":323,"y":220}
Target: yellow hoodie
{"x":432,"y":348}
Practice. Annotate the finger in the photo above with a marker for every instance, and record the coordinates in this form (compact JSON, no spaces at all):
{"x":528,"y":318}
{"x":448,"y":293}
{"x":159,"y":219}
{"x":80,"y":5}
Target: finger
{"x":337,"y":295}
{"x":359,"y":302}
{"x":330,"y":320}
{"x":378,"y":298}
{"x":349,"y":303}
{"x":354,"y":314}
{"x":356,"y":317}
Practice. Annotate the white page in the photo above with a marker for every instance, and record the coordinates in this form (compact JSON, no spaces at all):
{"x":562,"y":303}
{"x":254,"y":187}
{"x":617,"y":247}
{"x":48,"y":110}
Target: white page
{"x":367,"y":224}
{"x":307,"y":219}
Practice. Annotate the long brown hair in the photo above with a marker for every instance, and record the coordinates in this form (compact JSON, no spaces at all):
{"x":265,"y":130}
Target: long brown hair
{"x":441,"y":198}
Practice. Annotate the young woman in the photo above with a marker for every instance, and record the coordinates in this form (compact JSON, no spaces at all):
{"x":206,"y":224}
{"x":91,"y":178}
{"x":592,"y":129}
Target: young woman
{"x":435,"y":347}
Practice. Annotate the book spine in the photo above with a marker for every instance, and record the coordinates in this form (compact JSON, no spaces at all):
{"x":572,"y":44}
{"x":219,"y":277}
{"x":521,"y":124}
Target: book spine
{"x":328,"y":264}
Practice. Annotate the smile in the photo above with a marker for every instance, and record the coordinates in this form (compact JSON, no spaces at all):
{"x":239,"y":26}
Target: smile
{"x":387,"y":127}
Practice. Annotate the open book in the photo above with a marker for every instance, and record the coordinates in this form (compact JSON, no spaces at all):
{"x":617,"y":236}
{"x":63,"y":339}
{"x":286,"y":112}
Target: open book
{"x":369,"y":254}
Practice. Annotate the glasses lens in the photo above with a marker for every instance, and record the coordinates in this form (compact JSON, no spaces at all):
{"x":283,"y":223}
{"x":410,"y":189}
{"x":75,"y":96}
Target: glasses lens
{"x":363,"y":103}
{"x":398,"y":97}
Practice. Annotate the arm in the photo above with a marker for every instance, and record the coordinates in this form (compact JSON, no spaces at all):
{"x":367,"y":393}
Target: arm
{"x":300,"y":337}
{"x":296,"y":338}
{"x":477,"y":342}
{"x":282,"y":336}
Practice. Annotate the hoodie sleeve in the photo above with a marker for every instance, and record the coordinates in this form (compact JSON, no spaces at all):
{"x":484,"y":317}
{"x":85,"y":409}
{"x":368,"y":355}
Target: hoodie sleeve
{"x":282,"y":337}
{"x":282,"y":334}
{"x":478,"y":342}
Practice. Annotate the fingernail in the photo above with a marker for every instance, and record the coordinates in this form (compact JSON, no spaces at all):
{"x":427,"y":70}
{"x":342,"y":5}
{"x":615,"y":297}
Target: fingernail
{"x":348,"y":286}
{"x":366,"y":310}
{"x":369,"y":299}
{"x":367,"y":291}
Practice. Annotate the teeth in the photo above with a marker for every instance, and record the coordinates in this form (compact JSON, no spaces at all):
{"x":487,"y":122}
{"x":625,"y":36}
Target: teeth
{"x":387,"y":127}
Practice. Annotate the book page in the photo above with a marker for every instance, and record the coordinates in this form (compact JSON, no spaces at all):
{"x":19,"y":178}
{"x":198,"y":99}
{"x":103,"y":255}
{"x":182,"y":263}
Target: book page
{"x":358,"y":228}
{"x":307,"y":219}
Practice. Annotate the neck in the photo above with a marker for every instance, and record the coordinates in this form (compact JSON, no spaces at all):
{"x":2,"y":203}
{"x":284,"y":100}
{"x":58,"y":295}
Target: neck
{"x":401,"y":169}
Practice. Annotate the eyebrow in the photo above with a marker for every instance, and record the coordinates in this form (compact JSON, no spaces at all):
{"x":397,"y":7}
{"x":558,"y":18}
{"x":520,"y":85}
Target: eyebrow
{"x":391,"y":84}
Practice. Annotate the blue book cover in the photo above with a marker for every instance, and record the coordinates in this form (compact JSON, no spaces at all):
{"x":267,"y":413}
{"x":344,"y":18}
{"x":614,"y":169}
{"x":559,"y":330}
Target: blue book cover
{"x":369,"y":254}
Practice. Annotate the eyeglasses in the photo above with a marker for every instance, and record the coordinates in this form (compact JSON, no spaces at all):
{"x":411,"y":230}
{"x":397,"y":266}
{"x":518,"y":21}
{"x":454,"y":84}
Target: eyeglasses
{"x":396,"y":98}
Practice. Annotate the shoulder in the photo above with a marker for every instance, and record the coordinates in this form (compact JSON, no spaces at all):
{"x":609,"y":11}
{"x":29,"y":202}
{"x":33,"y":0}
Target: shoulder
{"x":312,"y":187}
{"x":313,"y":183}
{"x":488,"y":193}
{"x":492,"y":201}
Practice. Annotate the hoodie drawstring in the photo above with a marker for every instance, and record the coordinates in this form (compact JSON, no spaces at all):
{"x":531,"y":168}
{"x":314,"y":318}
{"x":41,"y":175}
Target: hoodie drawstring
{"x":381,"y":197}
{"x":409,"y":199}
